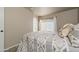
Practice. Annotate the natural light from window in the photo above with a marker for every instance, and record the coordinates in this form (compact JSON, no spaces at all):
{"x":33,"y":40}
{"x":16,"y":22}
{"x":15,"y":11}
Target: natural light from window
{"x":35,"y":24}
{"x":44,"y":25}
{"x":48,"y":25}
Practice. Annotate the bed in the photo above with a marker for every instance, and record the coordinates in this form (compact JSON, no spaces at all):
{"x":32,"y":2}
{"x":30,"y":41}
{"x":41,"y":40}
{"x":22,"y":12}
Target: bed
{"x":50,"y":42}
{"x":42,"y":42}
{"x":74,"y":39}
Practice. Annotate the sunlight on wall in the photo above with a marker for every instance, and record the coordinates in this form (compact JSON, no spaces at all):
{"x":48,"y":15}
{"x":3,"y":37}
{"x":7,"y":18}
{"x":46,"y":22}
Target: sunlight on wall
{"x":35,"y":24}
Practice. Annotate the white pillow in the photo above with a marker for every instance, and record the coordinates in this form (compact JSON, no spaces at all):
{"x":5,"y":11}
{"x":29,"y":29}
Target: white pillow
{"x":74,"y":38}
{"x":65,"y":30}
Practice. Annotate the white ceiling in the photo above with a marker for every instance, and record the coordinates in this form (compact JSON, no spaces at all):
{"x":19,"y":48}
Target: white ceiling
{"x":41,"y":11}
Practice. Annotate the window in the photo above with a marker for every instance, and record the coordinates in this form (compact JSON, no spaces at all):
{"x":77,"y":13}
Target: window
{"x":48,"y":25}
{"x":44,"y":24}
{"x":35,"y":24}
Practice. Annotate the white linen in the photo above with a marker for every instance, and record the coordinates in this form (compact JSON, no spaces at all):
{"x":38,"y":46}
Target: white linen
{"x":42,"y":42}
{"x":74,"y":36}
{"x":73,"y":49}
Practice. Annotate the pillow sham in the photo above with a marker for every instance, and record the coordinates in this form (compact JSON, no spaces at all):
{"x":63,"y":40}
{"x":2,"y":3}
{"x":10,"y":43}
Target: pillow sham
{"x":63,"y":32}
{"x":74,"y":38}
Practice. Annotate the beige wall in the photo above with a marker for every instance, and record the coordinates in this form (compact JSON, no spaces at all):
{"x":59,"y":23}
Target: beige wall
{"x":69,"y":16}
{"x":18,"y":21}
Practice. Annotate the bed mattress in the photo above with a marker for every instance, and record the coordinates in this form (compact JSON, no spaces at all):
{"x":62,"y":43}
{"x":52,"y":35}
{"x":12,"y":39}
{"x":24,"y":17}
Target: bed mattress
{"x":73,"y":49}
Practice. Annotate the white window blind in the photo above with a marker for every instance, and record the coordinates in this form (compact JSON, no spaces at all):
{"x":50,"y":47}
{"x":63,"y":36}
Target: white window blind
{"x":48,"y":25}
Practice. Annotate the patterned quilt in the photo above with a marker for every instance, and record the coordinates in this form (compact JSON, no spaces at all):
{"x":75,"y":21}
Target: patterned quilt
{"x":42,"y":42}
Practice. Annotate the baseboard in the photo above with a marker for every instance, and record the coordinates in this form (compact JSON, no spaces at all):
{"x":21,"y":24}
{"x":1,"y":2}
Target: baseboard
{"x":11,"y":47}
